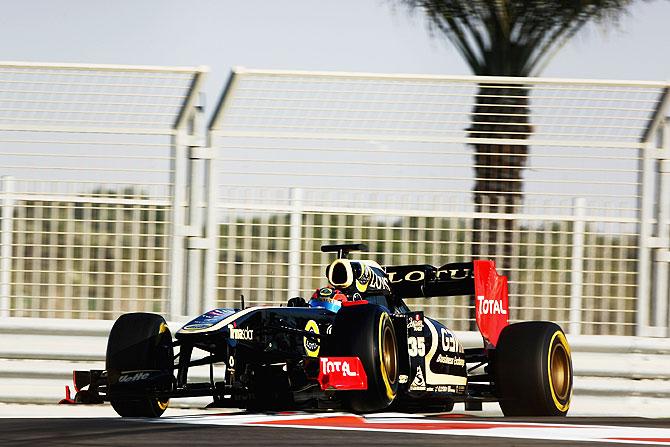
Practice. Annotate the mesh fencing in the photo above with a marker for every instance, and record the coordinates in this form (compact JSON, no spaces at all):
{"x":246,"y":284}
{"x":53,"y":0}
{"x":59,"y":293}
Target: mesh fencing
{"x":110,"y":204}
{"x":86,"y":155}
{"x":436,"y":170}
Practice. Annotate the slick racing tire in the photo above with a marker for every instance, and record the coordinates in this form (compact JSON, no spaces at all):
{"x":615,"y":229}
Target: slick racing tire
{"x":138,"y":341}
{"x":366,"y":331}
{"x":533,"y":370}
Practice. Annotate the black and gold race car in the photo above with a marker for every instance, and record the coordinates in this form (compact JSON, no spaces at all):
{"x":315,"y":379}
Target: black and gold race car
{"x":353,"y":345}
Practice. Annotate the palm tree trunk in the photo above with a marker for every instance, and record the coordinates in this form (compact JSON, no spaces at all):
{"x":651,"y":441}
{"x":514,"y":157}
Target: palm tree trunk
{"x":501,"y":112}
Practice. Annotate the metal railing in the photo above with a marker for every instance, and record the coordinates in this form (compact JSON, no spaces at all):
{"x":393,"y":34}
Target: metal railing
{"x":37,"y":357}
{"x":554,"y":179}
{"x":113,"y":200}
{"x":88,"y":159}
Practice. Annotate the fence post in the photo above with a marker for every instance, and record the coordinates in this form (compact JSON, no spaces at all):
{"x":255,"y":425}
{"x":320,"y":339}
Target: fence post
{"x":177,"y":249}
{"x":182,"y":142}
{"x":577,"y":269}
{"x":211,"y":230}
{"x":644,"y":249}
{"x":648,"y":155}
{"x":295,"y":240}
{"x":195,"y":243}
{"x":7,"y":188}
{"x":662,"y":254}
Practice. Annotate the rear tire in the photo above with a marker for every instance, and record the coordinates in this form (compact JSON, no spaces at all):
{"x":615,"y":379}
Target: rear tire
{"x":138,"y":341}
{"x":366,"y":331}
{"x":533,"y":370}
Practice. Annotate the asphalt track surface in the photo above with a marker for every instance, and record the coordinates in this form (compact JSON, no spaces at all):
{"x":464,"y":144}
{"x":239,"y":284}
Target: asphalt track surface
{"x":192,"y":430}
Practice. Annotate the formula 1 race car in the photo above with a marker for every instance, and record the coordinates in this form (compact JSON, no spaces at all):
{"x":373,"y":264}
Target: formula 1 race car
{"x":353,"y":345}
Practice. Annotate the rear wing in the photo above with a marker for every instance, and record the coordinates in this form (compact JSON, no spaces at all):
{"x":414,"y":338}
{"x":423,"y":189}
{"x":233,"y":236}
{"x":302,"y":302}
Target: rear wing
{"x":477,"y":278}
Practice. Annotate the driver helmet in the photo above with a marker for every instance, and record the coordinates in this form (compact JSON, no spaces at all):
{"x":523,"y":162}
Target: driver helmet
{"x":328,"y":298}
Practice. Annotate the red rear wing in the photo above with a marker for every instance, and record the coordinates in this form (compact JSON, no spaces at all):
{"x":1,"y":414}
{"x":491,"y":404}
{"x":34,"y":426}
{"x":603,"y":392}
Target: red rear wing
{"x":491,"y":300}
{"x":478,"y":278}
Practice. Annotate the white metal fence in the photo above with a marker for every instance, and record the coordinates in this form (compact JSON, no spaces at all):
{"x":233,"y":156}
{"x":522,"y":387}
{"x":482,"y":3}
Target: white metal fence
{"x":112,"y":201}
{"x":88,"y":159}
{"x":398,"y":162}
{"x":623,"y":375}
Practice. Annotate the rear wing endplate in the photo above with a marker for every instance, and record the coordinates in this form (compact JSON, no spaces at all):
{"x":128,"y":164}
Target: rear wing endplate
{"x":478,"y":278}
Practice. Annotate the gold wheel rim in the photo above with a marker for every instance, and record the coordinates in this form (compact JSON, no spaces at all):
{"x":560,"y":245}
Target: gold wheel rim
{"x":389,"y":357}
{"x":560,"y":371}
{"x":163,"y":404}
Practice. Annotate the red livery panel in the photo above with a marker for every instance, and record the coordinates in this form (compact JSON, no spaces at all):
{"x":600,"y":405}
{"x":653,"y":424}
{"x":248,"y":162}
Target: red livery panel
{"x":491,"y":301}
{"x":342,"y":373}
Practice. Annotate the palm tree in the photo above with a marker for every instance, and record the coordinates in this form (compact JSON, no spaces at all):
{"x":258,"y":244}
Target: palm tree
{"x":506,"y":38}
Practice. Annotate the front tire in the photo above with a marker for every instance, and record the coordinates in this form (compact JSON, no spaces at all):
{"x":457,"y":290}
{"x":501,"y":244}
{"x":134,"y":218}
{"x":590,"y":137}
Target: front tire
{"x":533,"y":370}
{"x":366,"y":331}
{"x":138,"y":341}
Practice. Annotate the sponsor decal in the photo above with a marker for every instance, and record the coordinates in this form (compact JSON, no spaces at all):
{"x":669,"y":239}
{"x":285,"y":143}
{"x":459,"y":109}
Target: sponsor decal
{"x":445,"y":359}
{"x":419,"y":383}
{"x":312,"y":345}
{"x":435,"y":377}
{"x":440,"y":275}
{"x":371,"y":277}
{"x":449,"y":342}
{"x":380,"y":283}
{"x":490,"y":307}
{"x":343,"y":373}
{"x":413,"y":276}
{"x":364,"y":278}
{"x":445,"y":389}
{"x":374,"y":280}
{"x":240,"y":334}
{"x":329,"y":366}
{"x":129,"y":378}
{"x":415,"y":323}
{"x":491,"y":304}
{"x":448,"y":274}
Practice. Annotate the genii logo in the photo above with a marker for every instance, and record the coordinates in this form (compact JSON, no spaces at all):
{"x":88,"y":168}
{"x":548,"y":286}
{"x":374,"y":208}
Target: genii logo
{"x":312,"y":345}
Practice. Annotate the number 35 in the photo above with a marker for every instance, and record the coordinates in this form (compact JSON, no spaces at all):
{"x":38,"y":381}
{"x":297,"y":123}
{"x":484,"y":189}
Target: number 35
{"x":416,"y":346}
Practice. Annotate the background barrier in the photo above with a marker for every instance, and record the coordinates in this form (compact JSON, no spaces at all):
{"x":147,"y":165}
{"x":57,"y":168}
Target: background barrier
{"x":113,"y":200}
{"x":116,"y":196}
{"x":563,"y":182}
{"x":89,"y":157}
{"x":37,"y":357}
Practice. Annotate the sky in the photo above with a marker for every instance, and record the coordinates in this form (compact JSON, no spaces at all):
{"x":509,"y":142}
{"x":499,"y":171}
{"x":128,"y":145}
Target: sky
{"x":344,"y":35}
